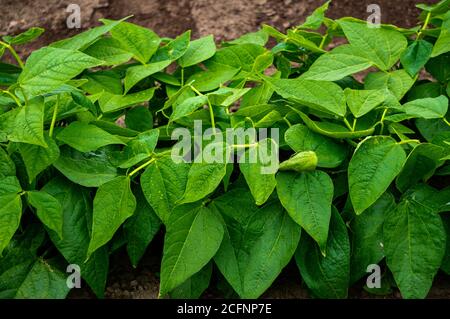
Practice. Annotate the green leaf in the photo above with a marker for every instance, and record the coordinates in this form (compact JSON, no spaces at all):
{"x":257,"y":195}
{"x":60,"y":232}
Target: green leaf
{"x":86,"y":137}
{"x":87,"y":169}
{"x":43,"y":282}
{"x":315,"y":20}
{"x":307,"y":198}
{"x":442,"y":44}
{"x":323,"y":96}
{"x":188,"y":107}
{"x":24,"y":37}
{"x":7,"y":167}
{"x":9,"y":185}
{"x":194,"y":287}
{"x":139,"y":148}
{"x":361,"y":102}
{"x":329,"y":154}
{"x":48,"y":68}
{"x":114,"y":102}
{"x":398,"y":82}
{"x":173,"y":50}
{"x":374,"y":165}
{"x":381,"y":46}
{"x":140,"y":229}
{"x":427,"y":108}
{"x":113,"y":204}
{"x":258,"y":168}
{"x":198,"y":51}
{"x":212,"y":79}
{"x":139,"y":41}
{"x":300,"y":162}
{"x":416,"y":56}
{"x":140,"y":72}
{"x":139,"y":119}
{"x":10,"y":214}
{"x":29,"y":124}
{"x":258,"y":242}
{"x":259,"y":37}
{"x":367,"y":236}
{"x":48,"y":209}
{"x":108,"y":50}
{"x":326,"y":277}
{"x":415,"y":245}
{"x":188,"y":226}
{"x":336,"y":65}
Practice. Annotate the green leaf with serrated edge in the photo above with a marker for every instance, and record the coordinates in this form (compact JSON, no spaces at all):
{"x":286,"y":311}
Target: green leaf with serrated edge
{"x":10,"y":214}
{"x":48,"y":210}
{"x":361,"y":102}
{"x":376,"y":162}
{"x":329,"y":153}
{"x":24,"y":37}
{"x":416,"y":56}
{"x":336,"y":64}
{"x":414,"y":241}
{"x":48,"y":68}
{"x":367,"y":236}
{"x":113,"y":204}
{"x":381,"y":46}
{"x":108,"y":50}
{"x":194,"y":287}
{"x":259,"y":167}
{"x":420,"y":165}
{"x":86,"y":169}
{"x":29,"y":124}
{"x":43,"y":281}
{"x":258,"y":242}
{"x":323,"y":96}
{"x":77,"y":221}
{"x":188,"y":107}
{"x":139,"y":118}
{"x":194,"y":234}
{"x":173,"y":50}
{"x":86,"y":137}
{"x":326,"y":277}
{"x":442,"y":44}
{"x":307,"y":198}
{"x":139,"y":41}
{"x":198,"y":51}
{"x":113,"y":102}
{"x":427,"y":108}
{"x":140,"y":229}
{"x":139,"y":72}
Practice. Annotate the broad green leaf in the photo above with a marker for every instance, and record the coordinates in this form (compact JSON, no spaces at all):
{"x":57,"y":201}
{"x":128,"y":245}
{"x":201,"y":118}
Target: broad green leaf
{"x":77,"y":221}
{"x":307,"y":198}
{"x":29,"y":124}
{"x":374,"y":165}
{"x":139,"y":41}
{"x":86,"y":169}
{"x":194,"y":234}
{"x":24,"y":37}
{"x":442,"y":44}
{"x":140,"y":229}
{"x":48,"y":68}
{"x":315,"y":20}
{"x":416,"y":56}
{"x":323,"y":96}
{"x":326,"y":277}
{"x":336,"y":65}
{"x":259,"y":38}
{"x":7,"y":167}
{"x":259,"y":168}
{"x":139,"y":148}
{"x":113,"y":204}
{"x":300,"y":162}
{"x":414,"y":241}
{"x":107,"y":81}
{"x":163,"y":184}
{"x":139,"y":118}
{"x":140,"y":72}
{"x":258,"y":242}
{"x":361,"y":102}
{"x":381,"y":46}
{"x":10,"y":214}
{"x":212,"y":79}
{"x":173,"y":50}
{"x":398,"y":82}
{"x":43,"y":281}
{"x":329,"y":153}
{"x":86,"y":137}
{"x":188,"y":107}
{"x":108,"y":50}
{"x":439,"y":67}
{"x":48,"y":209}
{"x":9,"y":185}
{"x":420,"y":165}
{"x":114,"y":102}
{"x":194,"y":287}
{"x":427,"y":108}
{"x":367,"y":236}
{"x":198,"y":51}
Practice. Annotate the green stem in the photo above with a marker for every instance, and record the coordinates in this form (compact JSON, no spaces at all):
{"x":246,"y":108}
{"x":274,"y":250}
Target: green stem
{"x":287,"y":121}
{"x":382,"y":121}
{"x":14,"y":53}
{"x":348,"y":124}
{"x":13,"y":97}
{"x":244,"y":145}
{"x":24,"y":95}
{"x":55,"y":112}
{"x":322,"y":43}
{"x":182,"y":76}
{"x":407,"y":142}
{"x":195,"y":90}
{"x":425,"y":25}
{"x":211,"y":114}
{"x":141,"y":167}
{"x":354,"y":124}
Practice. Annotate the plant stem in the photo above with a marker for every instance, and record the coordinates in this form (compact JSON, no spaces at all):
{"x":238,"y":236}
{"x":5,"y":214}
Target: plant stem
{"x":12,"y":96}
{"x":382,"y":121}
{"x":211,"y":114}
{"x":14,"y":53}
{"x":141,"y":167}
{"x":348,"y":124}
{"x":354,"y":124}
{"x":287,"y":121}
{"x":425,"y":25}
{"x":55,"y":112}
{"x":407,"y":142}
{"x":446,"y":121}
{"x":182,"y":76}
{"x":244,"y":145}
{"x":322,"y":43}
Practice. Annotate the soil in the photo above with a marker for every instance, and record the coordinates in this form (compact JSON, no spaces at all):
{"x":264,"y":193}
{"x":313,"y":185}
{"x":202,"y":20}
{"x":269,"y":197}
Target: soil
{"x":226,"y":19}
